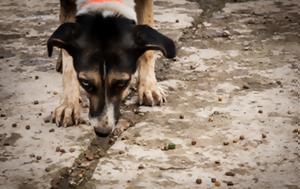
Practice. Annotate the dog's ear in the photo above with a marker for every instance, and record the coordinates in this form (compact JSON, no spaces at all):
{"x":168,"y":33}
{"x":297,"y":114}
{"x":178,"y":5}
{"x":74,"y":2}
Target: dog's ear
{"x":63,"y":37}
{"x":148,"y":38}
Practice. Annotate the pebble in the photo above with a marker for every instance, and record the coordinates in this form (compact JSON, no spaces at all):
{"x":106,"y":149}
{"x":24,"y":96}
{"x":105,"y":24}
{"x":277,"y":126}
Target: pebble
{"x":213,"y":180}
{"x":89,"y":156}
{"x":6,"y":143}
{"x":47,"y":169}
{"x":62,"y":150}
{"x":217,"y":183}
{"x":35,"y":102}
{"x":181,"y":116}
{"x":198,"y":180}
{"x":263,"y":135}
{"x":27,"y":127}
{"x":220,"y":99}
{"x":260,"y":111}
{"x":36,"y":77}
{"x":193,"y":142}
{"x":171,"y":146}
{"x":31,"y":155}
{"x":51,"y":130}
{"x":229,"y":183}
{"x":225,"y":143}
{"x":141,"y":166}
{"x":2,"y":115}
{"x":210,"y":119}
{"x":246,"y":87}
{"x":296,"y":131}
{"x":217,"y":162}
{"x":14,"y":125}
{"x":47,"y":119}
{"x":242,"y":137}
{"x":230,"y":174}
{"x":38,"y":157}
{"x":72,"y":150}
{"x":57,"y":149}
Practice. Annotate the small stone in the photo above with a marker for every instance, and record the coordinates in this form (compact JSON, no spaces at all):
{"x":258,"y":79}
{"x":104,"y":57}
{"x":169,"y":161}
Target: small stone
{"x":242,"y":137}
{"x":213,"y":180}
{"x":2,"y":115}
{"x":210,"y":119}
{"x":6,"y":144}
{"x":193,"y":142}
{"x":220,"y":99}
{"x":62,"y":150}
{"x":230,"y":174}
{"x":57,"y":149}
{"x":181,"y":116}
{"x":72,"y":150}
{"x":14,"y":125}
{"x":36,"y":77}
{"x":35,"y":102}
{"x":225,"y":143}
{"x":217,"y":183}
{"x":51,"y":130}
{"x":27,"y":127}
{"x":47,"y":119}
{"x":296,"y":131}
{"x":263,"y":135}
{"x":229,"y":183}
{"x":198,"y":181}
{"x":38,"y":157}
{"x":141,"y":166}
{"x":31,"y":155}
{"x":246,"y":86}
{"x":89,"y":156}
{"x":260,"y":111}
{"x":55,"y":93}
{"x":121,"y":152}
{"x":217,"y":162}
{"x":47,"y":169}
{"x":171,"y":146}
{"x":278,"y":83}
{"x":234,"y":141}
{"x":176,"y":20}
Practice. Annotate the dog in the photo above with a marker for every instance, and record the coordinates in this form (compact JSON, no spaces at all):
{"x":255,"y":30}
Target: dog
{"x":104,"y":42}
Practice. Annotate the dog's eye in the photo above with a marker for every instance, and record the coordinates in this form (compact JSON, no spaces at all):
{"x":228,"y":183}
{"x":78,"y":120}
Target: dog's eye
{"x":86,"y":84}
{"x":120,"y":83}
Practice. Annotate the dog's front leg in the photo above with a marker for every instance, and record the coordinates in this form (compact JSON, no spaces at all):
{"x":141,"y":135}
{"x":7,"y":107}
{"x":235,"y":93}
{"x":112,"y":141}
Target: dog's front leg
{"x":68,"y":113}
{"x":148,"y":90}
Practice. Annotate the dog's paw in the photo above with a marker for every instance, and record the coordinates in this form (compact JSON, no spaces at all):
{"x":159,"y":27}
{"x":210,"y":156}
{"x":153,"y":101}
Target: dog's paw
{"x":67,"y":114}
{"x":150,"y":93}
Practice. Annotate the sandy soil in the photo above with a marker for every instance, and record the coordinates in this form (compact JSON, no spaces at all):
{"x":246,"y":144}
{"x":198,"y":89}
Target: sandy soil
{"x":232,"y":116}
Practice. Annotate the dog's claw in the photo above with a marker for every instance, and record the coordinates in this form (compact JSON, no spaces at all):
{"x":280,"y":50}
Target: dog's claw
{"x":66,"y":114}
{"x":151,"y":95}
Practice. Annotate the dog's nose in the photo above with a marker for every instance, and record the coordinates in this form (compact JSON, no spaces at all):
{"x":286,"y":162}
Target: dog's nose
{"x":102,"y":131}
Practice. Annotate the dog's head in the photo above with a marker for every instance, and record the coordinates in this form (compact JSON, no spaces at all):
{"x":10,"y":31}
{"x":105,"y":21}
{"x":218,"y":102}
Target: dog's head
{"x":105,"y":53}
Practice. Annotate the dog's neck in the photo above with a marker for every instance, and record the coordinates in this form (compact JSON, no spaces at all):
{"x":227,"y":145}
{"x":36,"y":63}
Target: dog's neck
{"x":106,"y":7}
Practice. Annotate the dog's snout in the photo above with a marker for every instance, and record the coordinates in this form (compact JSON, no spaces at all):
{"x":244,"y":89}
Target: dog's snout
{"x":102,"y":131}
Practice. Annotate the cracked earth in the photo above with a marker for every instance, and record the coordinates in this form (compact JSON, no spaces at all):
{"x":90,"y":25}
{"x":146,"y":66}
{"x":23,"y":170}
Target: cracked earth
{"x":232,"y":119}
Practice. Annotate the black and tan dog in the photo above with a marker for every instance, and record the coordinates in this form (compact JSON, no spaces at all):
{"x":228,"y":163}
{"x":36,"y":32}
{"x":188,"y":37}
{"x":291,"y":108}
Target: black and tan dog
{"x":102,"y":48}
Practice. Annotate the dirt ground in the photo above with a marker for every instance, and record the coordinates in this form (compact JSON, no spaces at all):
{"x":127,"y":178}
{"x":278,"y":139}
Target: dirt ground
{"x":232,"y":119}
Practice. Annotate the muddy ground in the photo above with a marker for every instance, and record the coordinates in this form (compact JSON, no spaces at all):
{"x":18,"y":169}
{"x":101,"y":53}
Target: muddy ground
{"x":231,"y":121}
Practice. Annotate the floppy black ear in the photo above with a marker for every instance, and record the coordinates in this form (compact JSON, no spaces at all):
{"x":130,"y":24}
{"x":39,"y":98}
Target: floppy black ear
{"x":63,"y":37}
{"x":148,"y":38}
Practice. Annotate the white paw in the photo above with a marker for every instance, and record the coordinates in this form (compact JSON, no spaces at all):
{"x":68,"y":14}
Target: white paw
{"x":151,"y":94}
{"x":67,"y":114}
